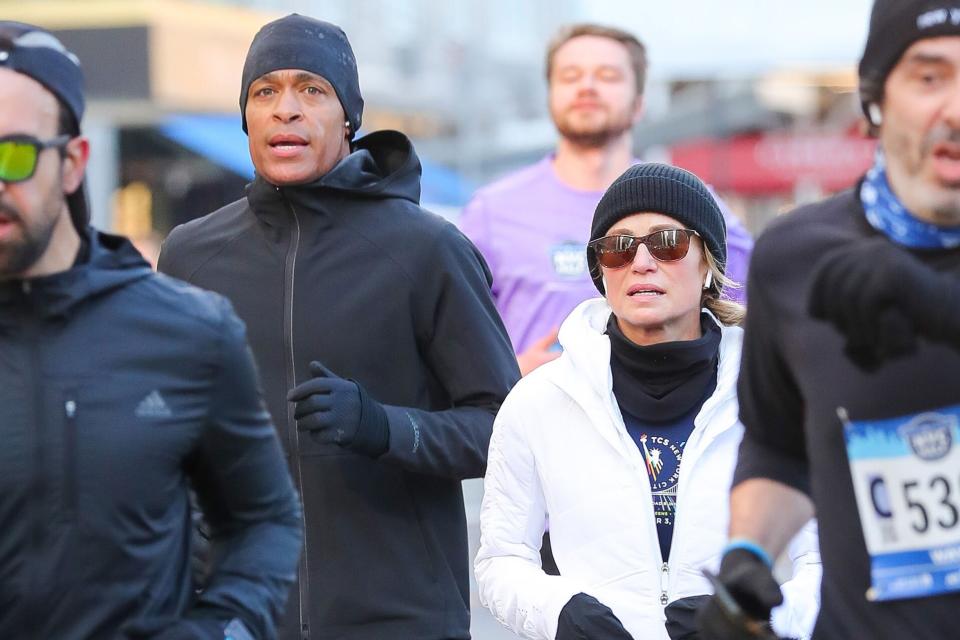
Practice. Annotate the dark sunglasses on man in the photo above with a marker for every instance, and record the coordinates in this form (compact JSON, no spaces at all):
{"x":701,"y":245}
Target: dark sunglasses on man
{"x":20,"y":153}
{"x":668,"y":245}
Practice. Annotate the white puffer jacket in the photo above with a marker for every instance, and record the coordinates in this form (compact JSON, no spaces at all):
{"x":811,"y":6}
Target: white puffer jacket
{"x":560,"y":449}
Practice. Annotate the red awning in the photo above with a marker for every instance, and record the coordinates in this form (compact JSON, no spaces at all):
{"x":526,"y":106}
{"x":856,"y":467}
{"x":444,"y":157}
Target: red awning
{"x":777,"y":163}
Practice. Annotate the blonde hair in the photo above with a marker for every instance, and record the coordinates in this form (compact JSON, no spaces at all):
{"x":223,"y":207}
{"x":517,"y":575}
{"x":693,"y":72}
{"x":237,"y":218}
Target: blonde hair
{"x":728,"y":312}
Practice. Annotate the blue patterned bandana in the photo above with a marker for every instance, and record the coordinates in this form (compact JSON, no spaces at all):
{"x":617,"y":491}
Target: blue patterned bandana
{"x":887,"y":215}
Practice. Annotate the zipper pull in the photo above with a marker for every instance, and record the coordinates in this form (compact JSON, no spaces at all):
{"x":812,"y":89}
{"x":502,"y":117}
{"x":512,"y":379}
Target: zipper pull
{"x":664,"y":583}
{"x":70,"y":407}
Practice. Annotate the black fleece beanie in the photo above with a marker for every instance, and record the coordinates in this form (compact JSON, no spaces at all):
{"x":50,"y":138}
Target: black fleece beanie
{"x":299,"y":42}
{"x":660,"y":188}
{"x":894,"y":26}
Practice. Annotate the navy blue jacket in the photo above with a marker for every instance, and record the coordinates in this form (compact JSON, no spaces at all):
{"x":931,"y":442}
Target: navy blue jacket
{"x":118,"y":389}
{"x":350,"y":271}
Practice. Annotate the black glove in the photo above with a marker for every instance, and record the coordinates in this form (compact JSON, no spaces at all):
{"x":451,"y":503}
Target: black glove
{"x":680,"y":617}
{"x":338,"y":411}
{"x":169,"y":628}
{"x":748,"y":581}
{"x":585,"y":618}
{"x":881,"y":298}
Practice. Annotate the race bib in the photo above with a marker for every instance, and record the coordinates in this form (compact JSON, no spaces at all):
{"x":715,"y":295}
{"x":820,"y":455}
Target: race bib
{"x":906,"y":475}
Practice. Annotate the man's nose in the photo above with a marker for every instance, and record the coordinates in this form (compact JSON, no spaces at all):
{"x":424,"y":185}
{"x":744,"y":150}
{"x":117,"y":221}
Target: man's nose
{"x":288,"y":107}
{"x":951,"y":110}
{"x":587,"y":84}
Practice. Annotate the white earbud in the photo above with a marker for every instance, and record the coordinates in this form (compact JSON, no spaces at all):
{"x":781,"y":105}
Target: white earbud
{"x":708,"y":281}
{"x":603,"y":279}
{"x":876,"y":116}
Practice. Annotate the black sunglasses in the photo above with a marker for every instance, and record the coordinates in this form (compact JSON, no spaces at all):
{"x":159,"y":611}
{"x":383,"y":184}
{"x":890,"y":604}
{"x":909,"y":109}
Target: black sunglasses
{"x":618,"y":251}
{"x":20,"y":153}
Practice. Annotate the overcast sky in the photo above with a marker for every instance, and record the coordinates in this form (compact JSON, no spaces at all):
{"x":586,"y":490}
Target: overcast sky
{"x":740,"y":36}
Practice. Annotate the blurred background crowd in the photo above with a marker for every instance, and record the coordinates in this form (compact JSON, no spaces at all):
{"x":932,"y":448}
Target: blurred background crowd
{"x":757,"y":98}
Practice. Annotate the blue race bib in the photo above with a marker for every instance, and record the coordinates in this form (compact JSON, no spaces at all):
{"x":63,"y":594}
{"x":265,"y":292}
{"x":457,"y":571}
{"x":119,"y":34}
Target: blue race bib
{"x":906,"y":475}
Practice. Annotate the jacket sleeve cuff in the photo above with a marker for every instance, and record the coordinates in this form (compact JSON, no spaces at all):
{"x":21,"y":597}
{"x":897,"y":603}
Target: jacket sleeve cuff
{"x":405,"y":439}
{"x":758,"y":460}
{"x":373,"y":432}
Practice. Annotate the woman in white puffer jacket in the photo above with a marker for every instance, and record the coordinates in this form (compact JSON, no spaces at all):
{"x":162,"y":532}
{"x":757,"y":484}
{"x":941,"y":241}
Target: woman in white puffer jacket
{"x":628,"y":441}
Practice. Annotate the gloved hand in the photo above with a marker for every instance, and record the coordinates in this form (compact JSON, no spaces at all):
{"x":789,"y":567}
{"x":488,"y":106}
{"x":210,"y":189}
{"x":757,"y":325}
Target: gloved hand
{"x":170,"y":628}
{"x":585,"y":618}
{"x":881,"y":298}
{"x":748,"y":581}
{"x":338,"y":411}
{"x":680,"y":616}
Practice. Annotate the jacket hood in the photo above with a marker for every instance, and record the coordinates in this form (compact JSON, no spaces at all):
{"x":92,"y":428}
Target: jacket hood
{"x":383,"y":164}
{"x":586,"y":353}
{"x":113,"y":263}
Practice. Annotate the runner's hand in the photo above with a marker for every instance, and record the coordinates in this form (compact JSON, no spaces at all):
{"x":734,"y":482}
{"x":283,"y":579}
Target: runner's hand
{"x":881,"y":298}
{"x":338,"y":411}
{"x":538,"y":353}
{"x":586,"y":618}
{"x":748,"y":580}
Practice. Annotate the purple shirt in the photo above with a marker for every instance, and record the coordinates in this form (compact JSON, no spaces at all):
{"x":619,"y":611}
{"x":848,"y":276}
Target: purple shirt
{"x":739,"y":248}
{"x":533,"y":229}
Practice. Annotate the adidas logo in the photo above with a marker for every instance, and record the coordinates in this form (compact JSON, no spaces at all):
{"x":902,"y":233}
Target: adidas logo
{"x":153,"y":406}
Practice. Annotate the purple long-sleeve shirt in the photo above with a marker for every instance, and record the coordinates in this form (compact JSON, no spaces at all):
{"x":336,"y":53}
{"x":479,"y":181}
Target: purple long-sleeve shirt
{"x":532,"y":229}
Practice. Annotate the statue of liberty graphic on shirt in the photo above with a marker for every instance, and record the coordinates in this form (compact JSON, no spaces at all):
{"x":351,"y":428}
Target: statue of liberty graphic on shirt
{"x":662,"y":457}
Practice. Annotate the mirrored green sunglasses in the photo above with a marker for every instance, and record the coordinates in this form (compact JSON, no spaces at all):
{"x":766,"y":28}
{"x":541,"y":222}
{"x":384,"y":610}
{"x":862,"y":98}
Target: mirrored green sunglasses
{"x":19,"y":155}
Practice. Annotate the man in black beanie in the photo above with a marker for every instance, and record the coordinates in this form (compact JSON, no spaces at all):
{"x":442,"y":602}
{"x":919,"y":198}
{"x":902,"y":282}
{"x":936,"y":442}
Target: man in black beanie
{"x":383,"y":358}
{"x":850,"y":352}
{"x":120,"y":389}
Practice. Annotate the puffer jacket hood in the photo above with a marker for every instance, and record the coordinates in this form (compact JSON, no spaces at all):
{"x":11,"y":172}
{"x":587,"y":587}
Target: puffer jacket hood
{"x":586,"y":358}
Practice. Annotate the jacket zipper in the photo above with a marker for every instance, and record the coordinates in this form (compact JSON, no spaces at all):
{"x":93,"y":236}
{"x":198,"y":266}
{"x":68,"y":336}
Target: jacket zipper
{"x":70,"y":459}
{"x":664,"y":583}
{"x":293,"y":436}
{"x":33,"y":609}
{"x":664,"y":567}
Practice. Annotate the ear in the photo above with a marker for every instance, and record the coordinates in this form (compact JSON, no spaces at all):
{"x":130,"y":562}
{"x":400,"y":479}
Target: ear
{"x":76,"y":156}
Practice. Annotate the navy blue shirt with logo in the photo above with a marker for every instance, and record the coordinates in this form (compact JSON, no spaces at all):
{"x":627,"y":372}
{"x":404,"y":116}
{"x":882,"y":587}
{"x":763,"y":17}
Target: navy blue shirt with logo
{"x":662,"y":447}
{"x":662,"y":444}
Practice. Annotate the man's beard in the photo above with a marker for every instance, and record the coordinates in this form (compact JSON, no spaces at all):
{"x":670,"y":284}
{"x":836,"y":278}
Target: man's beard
{"x":17,"y":254}
{"x":597,"y":135}
{"x":939,"y":203}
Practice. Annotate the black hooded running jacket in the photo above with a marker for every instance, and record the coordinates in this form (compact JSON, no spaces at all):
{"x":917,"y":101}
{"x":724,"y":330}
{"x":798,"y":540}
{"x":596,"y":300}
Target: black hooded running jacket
{"x":350,"y":271}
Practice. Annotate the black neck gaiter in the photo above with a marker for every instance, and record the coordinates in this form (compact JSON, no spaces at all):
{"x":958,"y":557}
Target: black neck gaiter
{"x":661,"y":382}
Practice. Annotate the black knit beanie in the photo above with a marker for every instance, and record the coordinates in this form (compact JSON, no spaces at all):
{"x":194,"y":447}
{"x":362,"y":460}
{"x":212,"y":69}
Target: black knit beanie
{"x":894,"y":26}
{"x":660,"y":188}
{"x":299,"y":42}
{"x":37,"y":53}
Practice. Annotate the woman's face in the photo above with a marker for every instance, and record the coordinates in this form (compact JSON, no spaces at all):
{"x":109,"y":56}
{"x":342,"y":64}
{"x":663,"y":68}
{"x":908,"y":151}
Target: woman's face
{"x":656,"y":301}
